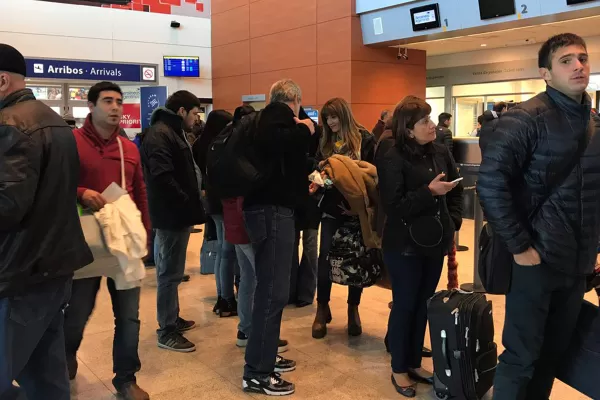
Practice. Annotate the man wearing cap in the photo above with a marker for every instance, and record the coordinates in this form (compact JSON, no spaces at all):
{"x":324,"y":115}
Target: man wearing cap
{"x":41,"y":241}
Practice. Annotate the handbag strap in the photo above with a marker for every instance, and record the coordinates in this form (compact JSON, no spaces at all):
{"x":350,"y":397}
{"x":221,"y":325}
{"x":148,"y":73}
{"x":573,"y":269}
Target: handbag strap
{"x":123,"y":182}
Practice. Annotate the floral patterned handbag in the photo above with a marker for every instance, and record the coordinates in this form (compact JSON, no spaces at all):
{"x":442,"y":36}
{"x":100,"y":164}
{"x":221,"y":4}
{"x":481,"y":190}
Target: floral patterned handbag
{"x":352,"y":264}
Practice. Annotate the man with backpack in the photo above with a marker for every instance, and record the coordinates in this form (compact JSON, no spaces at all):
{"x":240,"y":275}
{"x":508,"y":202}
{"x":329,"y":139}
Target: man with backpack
{"x":272,"y":182}
{"x":539,"y":187}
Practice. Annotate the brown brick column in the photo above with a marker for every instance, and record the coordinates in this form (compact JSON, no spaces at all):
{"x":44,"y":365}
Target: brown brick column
{"x":318,"y":43}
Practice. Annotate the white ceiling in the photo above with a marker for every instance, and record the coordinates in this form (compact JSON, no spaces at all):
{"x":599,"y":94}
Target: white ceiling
{"x":508,"y":38}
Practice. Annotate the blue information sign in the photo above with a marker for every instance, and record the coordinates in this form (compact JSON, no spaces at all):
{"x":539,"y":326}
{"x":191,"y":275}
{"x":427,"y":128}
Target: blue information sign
{"x":312,"y":114}
{"x":90,"y":70}
{"x":187,"y":67}
{"x":151,"y":98}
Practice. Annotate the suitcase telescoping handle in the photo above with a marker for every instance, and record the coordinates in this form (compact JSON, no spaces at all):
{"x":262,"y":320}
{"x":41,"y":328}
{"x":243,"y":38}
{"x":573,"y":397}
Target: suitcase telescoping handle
{"x":445,"y":353}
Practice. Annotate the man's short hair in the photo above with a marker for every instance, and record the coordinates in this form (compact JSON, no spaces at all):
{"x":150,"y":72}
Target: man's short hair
{"x":500,"y":106}
{"x":182,"y":98}
{"x":557,"y":42}
{"x":94,"y":92}
{"x":285,"y":91}
{"x":444,"y":117}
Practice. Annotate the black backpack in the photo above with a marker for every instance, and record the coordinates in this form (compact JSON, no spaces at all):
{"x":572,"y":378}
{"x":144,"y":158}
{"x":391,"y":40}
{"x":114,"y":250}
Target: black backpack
{"x":232,"y":166}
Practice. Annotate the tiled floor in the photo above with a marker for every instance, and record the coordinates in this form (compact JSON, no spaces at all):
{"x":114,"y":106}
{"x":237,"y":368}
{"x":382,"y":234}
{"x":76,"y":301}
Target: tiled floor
{"x":337,"y":367}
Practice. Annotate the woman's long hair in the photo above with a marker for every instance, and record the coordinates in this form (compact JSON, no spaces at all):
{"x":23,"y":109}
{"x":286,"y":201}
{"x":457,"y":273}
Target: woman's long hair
{"x":349,"y":132}
{"x":408,"y":112}
{"x":215,"y":123}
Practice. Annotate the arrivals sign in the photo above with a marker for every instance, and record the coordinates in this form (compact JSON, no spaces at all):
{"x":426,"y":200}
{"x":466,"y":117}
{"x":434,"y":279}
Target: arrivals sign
{"x":131,"y":116}
{"x":89,"y":70}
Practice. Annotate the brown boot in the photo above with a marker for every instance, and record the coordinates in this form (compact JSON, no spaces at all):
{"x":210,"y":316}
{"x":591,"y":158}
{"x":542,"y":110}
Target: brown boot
{"x":354,"y":324}
{"x":131,"y":391}
{"x":323,"y":317}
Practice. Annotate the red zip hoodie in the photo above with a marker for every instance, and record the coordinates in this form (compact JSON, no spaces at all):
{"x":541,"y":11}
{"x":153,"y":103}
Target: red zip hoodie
{"x":101,"y":165}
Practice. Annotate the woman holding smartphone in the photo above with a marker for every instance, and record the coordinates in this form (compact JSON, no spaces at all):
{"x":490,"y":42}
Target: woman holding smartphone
{"x":421,"y":195}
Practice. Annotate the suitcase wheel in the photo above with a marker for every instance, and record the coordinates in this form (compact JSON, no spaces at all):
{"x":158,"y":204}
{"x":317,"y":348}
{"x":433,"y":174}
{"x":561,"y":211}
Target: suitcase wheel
{"x":441,"y":396}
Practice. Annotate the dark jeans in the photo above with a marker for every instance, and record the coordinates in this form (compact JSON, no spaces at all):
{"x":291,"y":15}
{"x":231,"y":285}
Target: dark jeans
{"x":271,"y":230}
{"x":32,"y":345}
{"x":126,"y":306}
{"x":171,"y":250}
{"x":303,"y":280}
{"x":414,"y":280}
{"x":328,"y":228}
{"x":541,"y":313}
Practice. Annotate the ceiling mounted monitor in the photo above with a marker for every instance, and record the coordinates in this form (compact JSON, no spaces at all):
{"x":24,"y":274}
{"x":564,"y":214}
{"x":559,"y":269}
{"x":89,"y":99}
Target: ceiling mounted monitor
{"x":489,"y":9}
{"x":425,"y":17}
{"x":183,"y":67}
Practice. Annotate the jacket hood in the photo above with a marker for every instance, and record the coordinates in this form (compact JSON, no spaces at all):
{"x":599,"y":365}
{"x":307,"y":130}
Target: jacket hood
{"x":89,"y":130}
{"x":17,"y":97}
{"x":169,"y":118}
{"x":158,"y":113}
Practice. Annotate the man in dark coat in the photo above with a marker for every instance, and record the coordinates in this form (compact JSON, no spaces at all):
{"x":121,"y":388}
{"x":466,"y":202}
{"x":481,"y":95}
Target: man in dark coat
{"x":41,"y":241}
{"x":443,"y":132}
{"x":281,"y":141}
{"x":549,"y":222}
{"x":173,"y":183}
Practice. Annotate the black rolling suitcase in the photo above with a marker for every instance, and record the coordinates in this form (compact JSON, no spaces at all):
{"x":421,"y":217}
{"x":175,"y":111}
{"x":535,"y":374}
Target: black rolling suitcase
{"x":580,"y":367}
{"x":462,"y":340}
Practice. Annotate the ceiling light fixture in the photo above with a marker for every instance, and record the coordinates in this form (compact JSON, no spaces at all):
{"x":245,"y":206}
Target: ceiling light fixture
{"x":483,"y":45}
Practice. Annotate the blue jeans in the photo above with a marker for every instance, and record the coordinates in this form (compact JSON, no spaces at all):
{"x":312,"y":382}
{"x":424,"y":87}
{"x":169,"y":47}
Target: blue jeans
{"x":414,"y":280}
{"x":126,"y":306}
{"x":303,"y":281}
{"x":245,"y":258}
{"x":328,"y":228}
{"x":272,"y":231}
{"x":225,"y":264}
{"x":170,"y":253}
{"x":32,"y":344}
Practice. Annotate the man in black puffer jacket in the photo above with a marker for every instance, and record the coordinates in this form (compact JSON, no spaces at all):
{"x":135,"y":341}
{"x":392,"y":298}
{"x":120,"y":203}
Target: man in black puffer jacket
{"x":531,"y":146}
{"x":41,"y":241}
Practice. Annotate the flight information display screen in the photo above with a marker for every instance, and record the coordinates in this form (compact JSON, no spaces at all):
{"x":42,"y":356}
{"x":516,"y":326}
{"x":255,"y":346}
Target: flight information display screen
{"x":425,"y":17}
{"x":185,"y":67}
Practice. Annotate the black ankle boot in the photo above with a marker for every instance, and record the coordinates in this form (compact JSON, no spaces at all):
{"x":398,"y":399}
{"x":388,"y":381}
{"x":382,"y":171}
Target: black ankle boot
{"x":323,"y":317}
{"x":228,"y":308}
{"x":217,"y":305}
{"x":354,"y":324}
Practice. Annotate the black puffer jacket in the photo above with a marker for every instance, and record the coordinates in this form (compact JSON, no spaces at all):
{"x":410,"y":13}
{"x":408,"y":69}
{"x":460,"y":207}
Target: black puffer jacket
{"x":40,"y":233}
{"x":170,"y":174}
{"x":404,"y":177}
{"x":444,"y":136}
{"x":529,"y":145}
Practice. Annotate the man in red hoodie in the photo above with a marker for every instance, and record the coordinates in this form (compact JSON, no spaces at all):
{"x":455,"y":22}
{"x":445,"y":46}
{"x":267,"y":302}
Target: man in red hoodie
{"x":100,"y":159}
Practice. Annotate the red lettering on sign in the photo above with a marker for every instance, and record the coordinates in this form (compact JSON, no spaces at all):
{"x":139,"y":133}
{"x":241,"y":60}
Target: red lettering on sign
{"x":131,"y":116}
